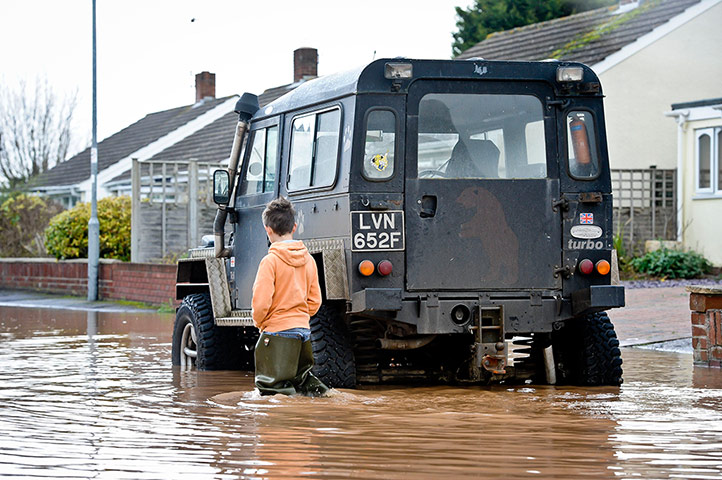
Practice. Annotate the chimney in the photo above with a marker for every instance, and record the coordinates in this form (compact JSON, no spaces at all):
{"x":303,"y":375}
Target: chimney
{"x":205,"y":86}
{"x":305,"y":64}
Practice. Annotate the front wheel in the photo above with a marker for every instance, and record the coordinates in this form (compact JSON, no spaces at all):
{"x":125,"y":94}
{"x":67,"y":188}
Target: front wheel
{"x":587,"y":352}
{"x":199,"y":343}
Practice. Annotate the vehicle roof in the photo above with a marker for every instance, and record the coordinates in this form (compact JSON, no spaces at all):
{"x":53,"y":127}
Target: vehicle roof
{"x":370,"y":79}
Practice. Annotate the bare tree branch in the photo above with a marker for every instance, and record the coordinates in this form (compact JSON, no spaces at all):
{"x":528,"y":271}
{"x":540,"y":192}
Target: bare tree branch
{"x":35,"y":130}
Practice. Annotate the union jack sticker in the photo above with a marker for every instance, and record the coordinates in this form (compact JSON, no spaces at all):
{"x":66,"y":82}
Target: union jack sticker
{"x":586,"y":218}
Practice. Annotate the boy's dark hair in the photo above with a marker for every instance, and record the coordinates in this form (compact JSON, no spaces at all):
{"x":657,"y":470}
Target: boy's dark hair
{"x":280,"y":216}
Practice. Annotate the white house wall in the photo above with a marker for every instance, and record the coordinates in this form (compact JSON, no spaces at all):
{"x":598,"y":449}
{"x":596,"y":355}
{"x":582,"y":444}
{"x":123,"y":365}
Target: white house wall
{"x":701,"y":217}
{"x":683,"y":65}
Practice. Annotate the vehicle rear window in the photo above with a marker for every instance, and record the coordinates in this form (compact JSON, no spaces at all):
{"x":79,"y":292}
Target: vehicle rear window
{"x":380,"y":146}
{"x":481,"y":136}
{"x":582,"y":145}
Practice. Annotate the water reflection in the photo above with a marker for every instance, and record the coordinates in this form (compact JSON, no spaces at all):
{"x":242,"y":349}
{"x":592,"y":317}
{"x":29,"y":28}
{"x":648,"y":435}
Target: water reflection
{"x":94,"y":394}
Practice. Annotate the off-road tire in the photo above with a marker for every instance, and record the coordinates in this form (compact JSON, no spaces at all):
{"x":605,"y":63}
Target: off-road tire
{"x":333,"y":356}
{"x":217,"y":347}
{"x":587,"y":352}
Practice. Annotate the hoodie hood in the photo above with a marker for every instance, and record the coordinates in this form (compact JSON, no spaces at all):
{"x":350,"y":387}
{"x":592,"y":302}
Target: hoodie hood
{"x":292,"y":253}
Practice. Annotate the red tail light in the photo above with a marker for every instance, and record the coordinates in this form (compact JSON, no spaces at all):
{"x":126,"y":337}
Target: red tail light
{"x":385,"y":267}
{"x":586,"y":266}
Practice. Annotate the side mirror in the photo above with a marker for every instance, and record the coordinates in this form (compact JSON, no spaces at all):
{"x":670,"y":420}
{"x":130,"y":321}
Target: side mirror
{"x":221,"y":182}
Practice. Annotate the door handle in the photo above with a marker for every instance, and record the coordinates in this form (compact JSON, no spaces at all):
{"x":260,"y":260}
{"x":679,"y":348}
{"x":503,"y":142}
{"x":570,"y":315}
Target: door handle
{"x":428,"y":206}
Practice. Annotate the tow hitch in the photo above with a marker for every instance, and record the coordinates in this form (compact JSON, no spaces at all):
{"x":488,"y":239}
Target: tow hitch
{"x":490,"y":350}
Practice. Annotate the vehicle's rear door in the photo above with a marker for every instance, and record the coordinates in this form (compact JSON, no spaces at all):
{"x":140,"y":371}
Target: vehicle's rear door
{"x":481,"y":179}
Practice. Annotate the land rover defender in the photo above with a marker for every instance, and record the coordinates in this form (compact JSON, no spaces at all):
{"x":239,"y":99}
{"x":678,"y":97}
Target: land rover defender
{"x":460,"y":214}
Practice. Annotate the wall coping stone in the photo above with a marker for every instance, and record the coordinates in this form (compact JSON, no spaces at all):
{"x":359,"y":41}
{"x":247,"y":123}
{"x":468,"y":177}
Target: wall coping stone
{"x":705,"y":289}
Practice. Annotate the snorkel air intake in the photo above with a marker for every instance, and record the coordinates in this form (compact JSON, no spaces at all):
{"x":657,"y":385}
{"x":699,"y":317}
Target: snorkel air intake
{"x":246,"y":107}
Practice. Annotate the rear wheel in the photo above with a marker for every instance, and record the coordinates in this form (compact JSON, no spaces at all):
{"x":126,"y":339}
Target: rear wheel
{"x":587,"y":351}
{"x":199,"y":343}
{"x":333,"y":356}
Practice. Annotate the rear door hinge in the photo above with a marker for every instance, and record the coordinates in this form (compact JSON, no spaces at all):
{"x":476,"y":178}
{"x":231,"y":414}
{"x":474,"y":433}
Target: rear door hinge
{"x":562,"y":202}
{"x":560,"y":104}
{"x":565,"y":271}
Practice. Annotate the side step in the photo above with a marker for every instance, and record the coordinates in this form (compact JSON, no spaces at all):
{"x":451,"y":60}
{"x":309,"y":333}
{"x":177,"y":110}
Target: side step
{"x":238,"y":318}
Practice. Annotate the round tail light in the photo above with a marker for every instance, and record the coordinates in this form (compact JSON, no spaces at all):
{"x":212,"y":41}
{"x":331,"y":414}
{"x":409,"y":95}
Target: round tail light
{"x":385,"y":267}
{"x":586,"y":266}
{"x":603,"y":267}
{"x":366,"y":268}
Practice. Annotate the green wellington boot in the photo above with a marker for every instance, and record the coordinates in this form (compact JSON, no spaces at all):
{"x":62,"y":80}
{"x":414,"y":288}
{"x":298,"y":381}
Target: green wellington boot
{"x":276,"y":364}
{"x":306,"y":382}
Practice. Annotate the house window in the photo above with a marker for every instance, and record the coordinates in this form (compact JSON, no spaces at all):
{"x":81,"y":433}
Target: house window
{"x":708,"y":162}
{"x":261,"y":169}
{"x":314,"y":150}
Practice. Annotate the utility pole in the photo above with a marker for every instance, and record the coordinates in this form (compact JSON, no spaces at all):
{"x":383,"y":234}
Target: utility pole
{"x":93,"y":224}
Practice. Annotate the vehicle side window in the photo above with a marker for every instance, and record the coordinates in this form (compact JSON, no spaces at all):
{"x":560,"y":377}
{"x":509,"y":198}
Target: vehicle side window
{"x":582,"y":145}
{"x":380,"y":146}
{"x":314,"y":150}
{"x":260,"y":175}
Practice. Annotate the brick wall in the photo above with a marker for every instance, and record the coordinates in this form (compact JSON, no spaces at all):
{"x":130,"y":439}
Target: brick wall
{"x":706,"y":306}
{"x":140,"y":282}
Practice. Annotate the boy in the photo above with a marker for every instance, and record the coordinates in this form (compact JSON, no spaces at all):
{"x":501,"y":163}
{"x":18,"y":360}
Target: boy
{"x":286,"y":294}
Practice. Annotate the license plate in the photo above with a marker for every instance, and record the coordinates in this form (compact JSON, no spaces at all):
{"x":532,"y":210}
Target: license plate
{"x":377,"y":231}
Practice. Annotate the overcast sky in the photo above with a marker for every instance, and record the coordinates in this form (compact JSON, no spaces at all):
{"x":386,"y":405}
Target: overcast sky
{"x":149,"y":50}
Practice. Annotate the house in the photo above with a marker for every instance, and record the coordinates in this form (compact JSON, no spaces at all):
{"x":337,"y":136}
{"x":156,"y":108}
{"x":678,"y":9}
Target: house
{"x":70,"y":182}
{"x":699,"y":150}
{"x":202,"y":131}
{"x":163,"y":146}
{"x":647,"y":54}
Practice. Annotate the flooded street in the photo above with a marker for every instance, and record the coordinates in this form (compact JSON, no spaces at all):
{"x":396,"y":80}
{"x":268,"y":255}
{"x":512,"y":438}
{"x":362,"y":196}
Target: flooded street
{"x":93,"y":395}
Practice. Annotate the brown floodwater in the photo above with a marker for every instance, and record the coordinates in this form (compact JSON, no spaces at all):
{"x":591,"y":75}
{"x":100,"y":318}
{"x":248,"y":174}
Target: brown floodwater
{"x":94,"y":395}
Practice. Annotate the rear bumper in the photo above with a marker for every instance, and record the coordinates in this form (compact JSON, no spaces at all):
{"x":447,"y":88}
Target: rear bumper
{"x":522,"y":312}
{"x":597,"y":298}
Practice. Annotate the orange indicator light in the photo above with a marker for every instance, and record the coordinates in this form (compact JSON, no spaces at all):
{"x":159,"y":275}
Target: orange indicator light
{"x":366,"y":268}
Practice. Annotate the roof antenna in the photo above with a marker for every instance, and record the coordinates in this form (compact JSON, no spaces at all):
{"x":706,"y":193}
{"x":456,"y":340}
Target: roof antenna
{"x":374,"y":58}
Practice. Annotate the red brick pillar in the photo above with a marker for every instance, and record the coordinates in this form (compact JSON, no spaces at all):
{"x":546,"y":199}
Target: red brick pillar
{"x":706,"y":305}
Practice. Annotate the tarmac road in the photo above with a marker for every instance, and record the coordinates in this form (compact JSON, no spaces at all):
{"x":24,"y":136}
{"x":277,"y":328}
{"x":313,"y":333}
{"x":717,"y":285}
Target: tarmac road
{"x":652,"y":315}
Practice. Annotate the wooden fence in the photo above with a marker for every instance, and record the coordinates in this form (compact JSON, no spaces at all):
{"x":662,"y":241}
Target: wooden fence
{"x":645,"y":206}
{"x":166,"y":224}
{"x":172,"y":208}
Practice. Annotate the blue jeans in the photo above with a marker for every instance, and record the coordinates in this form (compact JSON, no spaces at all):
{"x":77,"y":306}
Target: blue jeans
{"x":303,"y":334}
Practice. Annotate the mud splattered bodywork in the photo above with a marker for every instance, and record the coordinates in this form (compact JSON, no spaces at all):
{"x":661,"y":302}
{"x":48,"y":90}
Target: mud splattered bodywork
{"x":459,"y":211}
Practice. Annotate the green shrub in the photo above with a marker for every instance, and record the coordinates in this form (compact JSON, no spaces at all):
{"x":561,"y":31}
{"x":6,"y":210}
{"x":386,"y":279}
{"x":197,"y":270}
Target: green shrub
{"x":67,"y":235}
{"x":23,"y":219}
{"x":672,"y":264}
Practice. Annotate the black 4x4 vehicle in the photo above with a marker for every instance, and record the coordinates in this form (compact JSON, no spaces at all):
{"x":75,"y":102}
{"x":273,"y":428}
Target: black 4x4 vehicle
{"x":460,"y":213}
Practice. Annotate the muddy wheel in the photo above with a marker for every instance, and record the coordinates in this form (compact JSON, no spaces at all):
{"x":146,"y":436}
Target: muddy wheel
{"x":198,"y":342}
{"x":332,"y":353}
{"x":587,"y":352}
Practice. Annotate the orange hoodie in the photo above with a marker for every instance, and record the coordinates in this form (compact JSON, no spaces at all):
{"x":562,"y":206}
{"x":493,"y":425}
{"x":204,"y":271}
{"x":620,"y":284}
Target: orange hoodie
{"x":286,"y":292}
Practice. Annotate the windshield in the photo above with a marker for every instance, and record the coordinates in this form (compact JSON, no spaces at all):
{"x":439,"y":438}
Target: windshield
{"x":481,"y":136}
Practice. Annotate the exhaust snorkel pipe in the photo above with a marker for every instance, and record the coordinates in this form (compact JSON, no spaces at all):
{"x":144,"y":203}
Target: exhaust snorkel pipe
{"x":246,"y":107}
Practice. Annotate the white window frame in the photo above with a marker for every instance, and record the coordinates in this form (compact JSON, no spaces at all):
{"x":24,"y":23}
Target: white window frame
{"x":714,"y":162}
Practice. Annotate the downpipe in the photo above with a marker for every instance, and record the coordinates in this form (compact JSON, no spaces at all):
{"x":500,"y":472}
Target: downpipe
{"x":246,"y":107}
